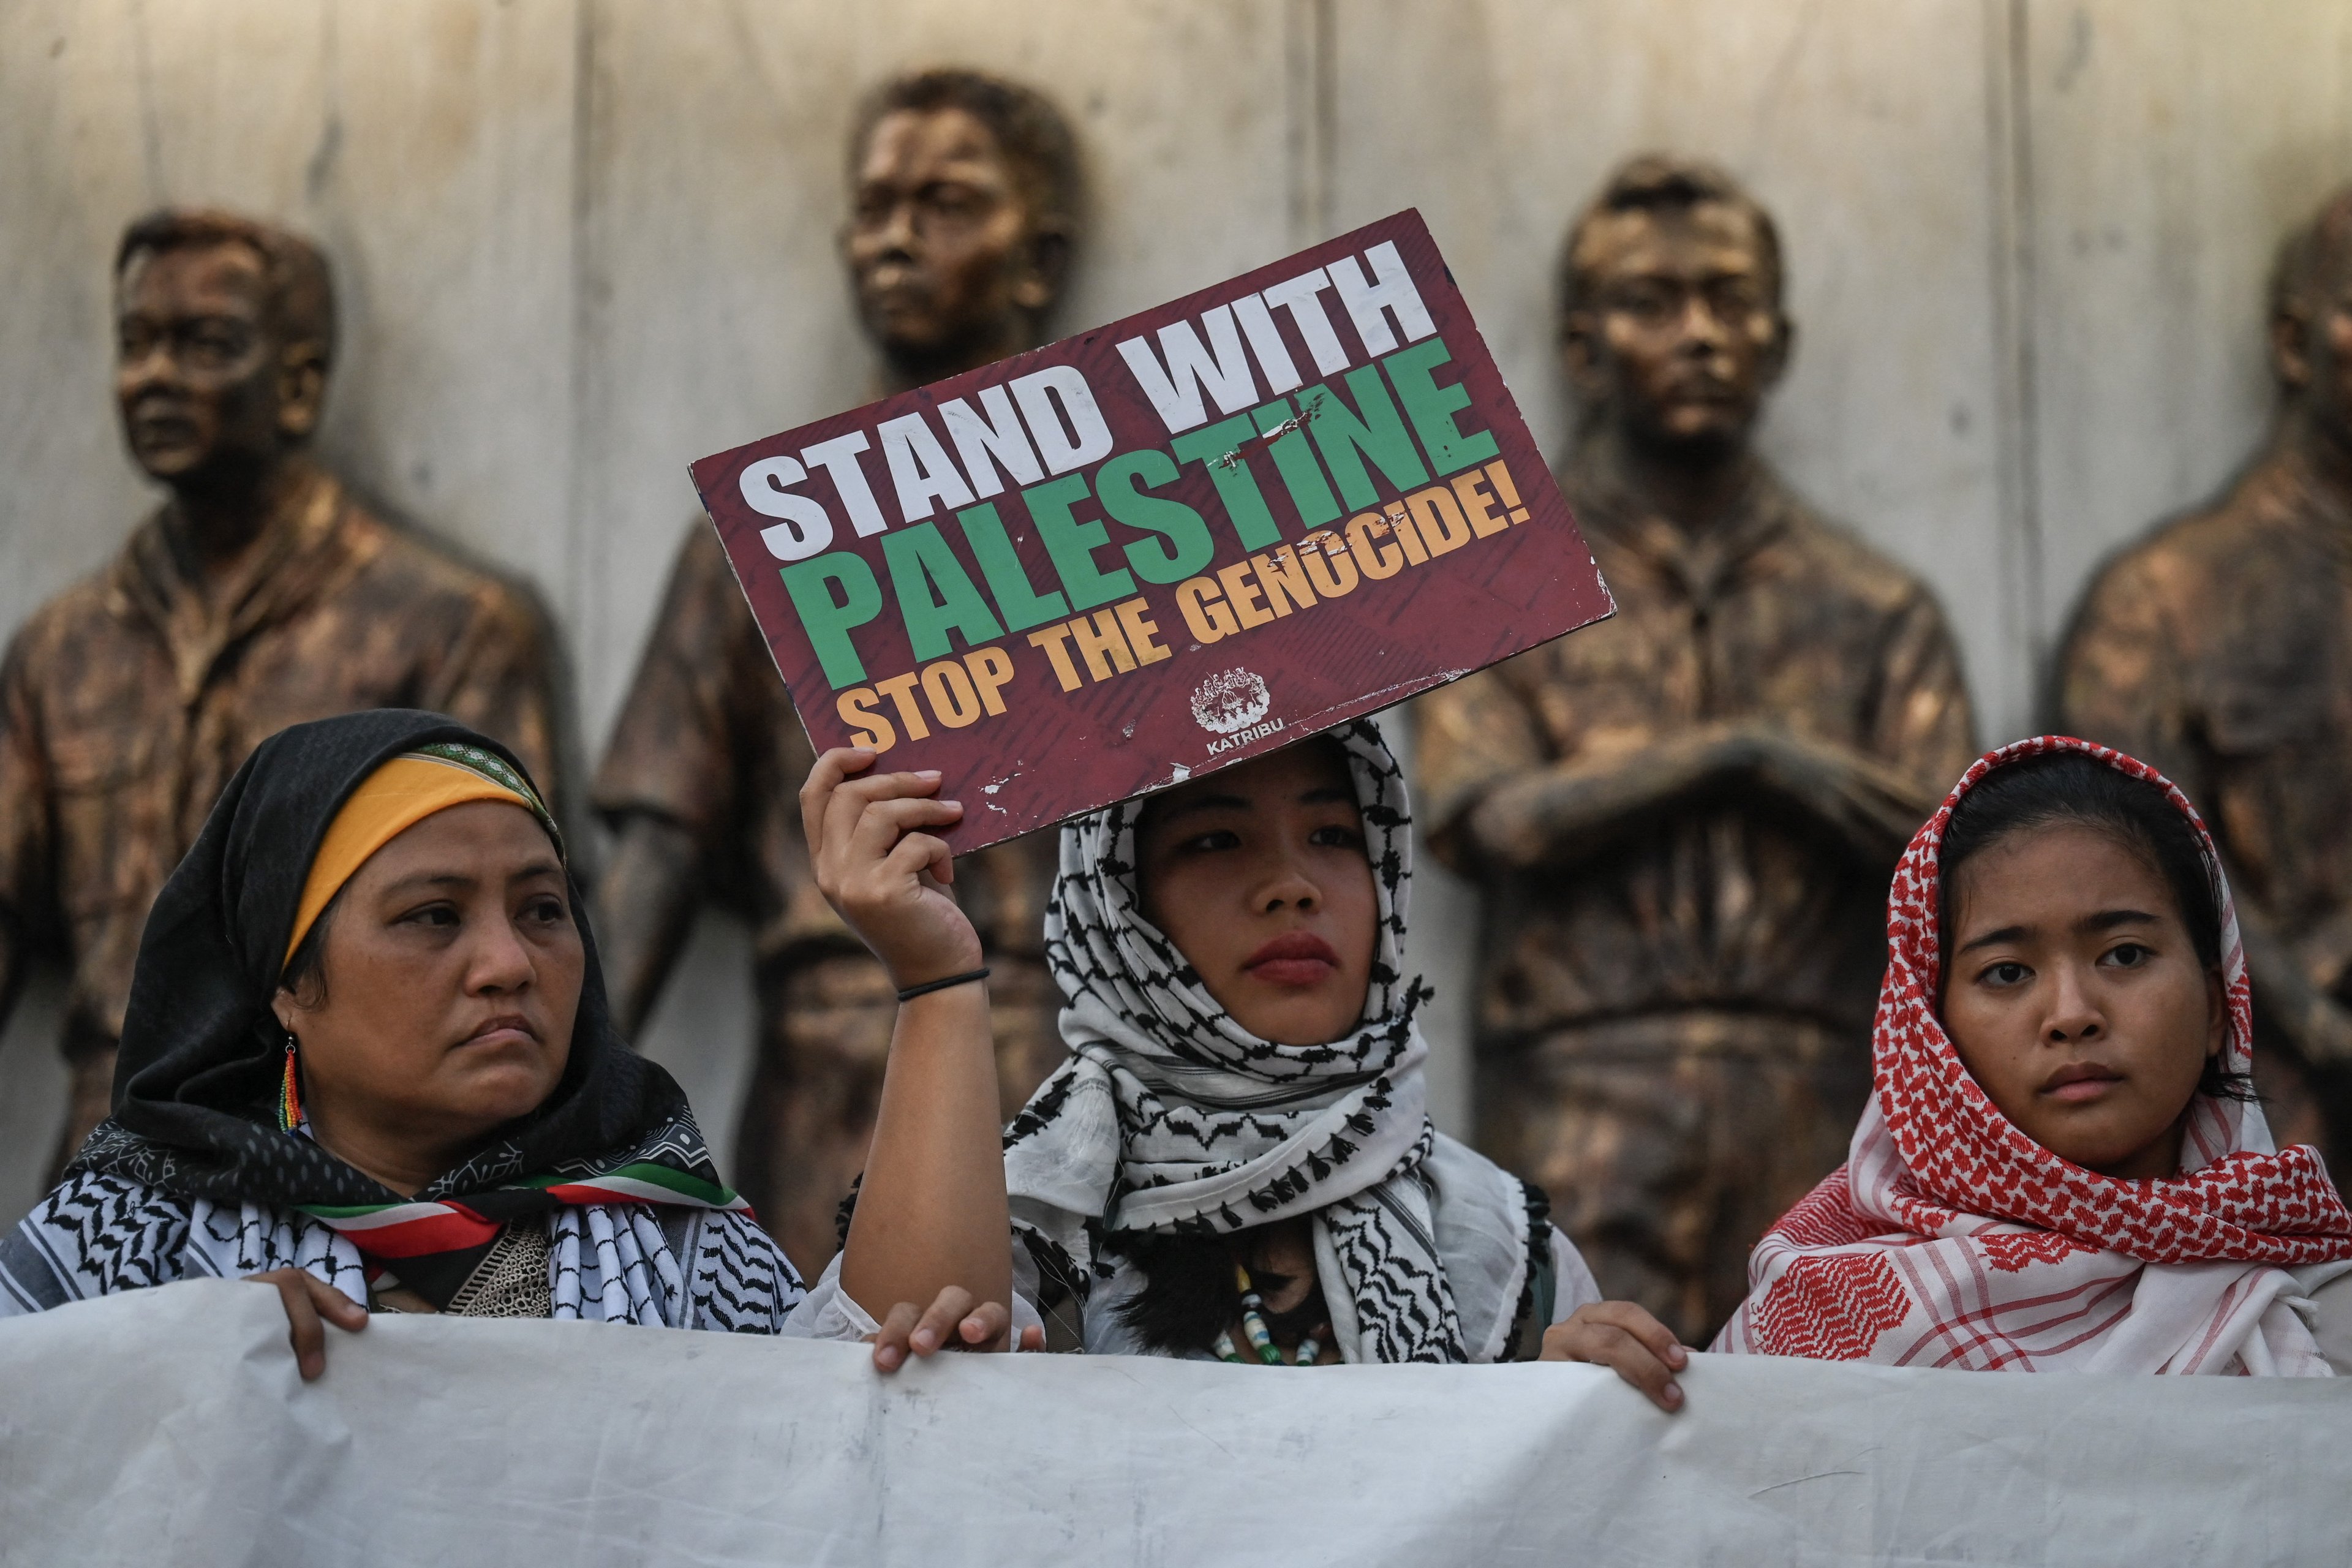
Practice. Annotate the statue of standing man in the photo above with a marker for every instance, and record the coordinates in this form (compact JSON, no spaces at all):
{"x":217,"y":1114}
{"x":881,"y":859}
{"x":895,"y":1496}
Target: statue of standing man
{"x":964,"y":192}
{"x":261,"y":595}
{"x":2220,"y":650}
{"x":1683,"y":820}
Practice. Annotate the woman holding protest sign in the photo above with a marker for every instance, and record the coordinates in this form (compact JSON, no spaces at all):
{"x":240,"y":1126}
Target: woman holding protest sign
{"x":368,"y":1061}
{"x":1235,"y":1162}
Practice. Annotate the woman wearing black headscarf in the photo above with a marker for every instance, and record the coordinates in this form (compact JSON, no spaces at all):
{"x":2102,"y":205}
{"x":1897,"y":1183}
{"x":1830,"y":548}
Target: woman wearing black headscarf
{"x":368,"y":1058}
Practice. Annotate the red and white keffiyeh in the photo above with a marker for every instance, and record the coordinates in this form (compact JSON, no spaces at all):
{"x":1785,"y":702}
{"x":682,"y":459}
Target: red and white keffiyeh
{"x":1950,"y":1238}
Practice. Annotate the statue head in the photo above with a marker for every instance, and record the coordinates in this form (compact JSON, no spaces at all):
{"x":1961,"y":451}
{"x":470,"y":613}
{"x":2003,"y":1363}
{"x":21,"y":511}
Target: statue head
{"x":2311,"y":317}
{"x":1670,"y":319}
{"x":963,"y":194}
{"x":225,"y":329}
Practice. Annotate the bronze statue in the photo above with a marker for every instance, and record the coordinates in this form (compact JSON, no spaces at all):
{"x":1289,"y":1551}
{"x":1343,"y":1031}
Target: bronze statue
{"x":260,"y":594}
{"x":962,"y":218}
{"x":1684,"y":819}
{"x":2220,"y":650}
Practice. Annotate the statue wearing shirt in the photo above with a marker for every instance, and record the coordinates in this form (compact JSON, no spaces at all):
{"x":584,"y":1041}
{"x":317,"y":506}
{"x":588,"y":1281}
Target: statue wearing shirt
{"x":1682,"y":820}
{"x":2219,"y":649}
{"x":961,"y":221}
{"x":262,"y":594}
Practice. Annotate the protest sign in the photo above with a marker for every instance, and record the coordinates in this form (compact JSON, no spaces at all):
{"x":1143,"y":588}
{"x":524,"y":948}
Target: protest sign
{"x":1162,"y":546}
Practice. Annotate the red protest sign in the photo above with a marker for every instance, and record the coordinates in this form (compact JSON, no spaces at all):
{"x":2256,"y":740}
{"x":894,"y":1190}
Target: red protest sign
{"x":1162,"y":546}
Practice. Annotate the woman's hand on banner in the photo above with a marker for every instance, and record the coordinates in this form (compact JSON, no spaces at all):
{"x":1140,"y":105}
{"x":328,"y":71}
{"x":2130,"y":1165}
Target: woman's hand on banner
{"x":952,"y":1322}
{"x":308,"y":1298}
{"x":1626,"y":1339}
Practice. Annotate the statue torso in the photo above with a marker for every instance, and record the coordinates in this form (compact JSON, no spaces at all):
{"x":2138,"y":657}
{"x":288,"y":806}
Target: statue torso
{"x":708,"y":739}
{"x":1780,"y":620}
{"x":2221,"y":651}
{"x":145,"y":700}
{"x":1674,"y":1027}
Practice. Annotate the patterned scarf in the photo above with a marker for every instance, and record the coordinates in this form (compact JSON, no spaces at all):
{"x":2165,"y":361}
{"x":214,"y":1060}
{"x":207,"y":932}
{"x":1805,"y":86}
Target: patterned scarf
{"x":611,"y":1263}
{"x":204,"y":1106}
{"x":1170,"y":1117}
{"x":1950,"y":1238}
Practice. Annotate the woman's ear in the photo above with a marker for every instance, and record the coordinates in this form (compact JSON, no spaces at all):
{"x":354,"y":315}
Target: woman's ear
{"x":283,"y":1003}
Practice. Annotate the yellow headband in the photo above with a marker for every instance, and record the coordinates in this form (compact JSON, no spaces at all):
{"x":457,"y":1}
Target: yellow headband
{"x":396,"y":798}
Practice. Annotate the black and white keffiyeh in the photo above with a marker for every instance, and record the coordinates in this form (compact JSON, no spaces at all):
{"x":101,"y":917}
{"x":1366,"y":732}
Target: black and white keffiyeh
{"x":617,"y":1263}
{"x":1170,"y":1117}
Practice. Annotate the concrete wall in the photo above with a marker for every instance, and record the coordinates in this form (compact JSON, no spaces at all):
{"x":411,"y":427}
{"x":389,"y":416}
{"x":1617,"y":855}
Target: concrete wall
{"x":581,"y":242}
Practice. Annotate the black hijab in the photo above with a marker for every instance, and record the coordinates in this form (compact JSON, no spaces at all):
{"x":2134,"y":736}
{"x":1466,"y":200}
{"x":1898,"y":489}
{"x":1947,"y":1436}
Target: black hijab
{"x":196,"y":1084}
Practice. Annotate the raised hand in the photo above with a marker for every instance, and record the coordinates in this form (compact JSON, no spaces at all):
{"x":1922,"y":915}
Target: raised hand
{"x":932,"y":1222}
{"x":881,"y":872}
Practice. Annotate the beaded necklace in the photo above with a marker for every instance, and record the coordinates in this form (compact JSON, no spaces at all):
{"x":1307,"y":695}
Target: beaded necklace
{"x":1310,"y":1348}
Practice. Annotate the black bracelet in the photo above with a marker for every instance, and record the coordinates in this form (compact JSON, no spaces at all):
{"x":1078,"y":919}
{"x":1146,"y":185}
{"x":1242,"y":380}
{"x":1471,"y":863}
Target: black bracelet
{"x":911,"y":992}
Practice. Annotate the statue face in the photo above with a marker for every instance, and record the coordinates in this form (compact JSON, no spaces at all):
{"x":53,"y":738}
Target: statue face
{"x":1684,"y":334}
{"x":942,"y":250}
{"x":203,"y":384}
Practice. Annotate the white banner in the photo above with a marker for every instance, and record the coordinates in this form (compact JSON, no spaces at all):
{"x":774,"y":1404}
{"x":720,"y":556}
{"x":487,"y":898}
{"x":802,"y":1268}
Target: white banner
{"x":168,"y":1425}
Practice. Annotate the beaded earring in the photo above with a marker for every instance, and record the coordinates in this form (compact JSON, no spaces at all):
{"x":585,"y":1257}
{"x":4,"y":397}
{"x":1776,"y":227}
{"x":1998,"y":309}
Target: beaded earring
{"x":289,"y":1094}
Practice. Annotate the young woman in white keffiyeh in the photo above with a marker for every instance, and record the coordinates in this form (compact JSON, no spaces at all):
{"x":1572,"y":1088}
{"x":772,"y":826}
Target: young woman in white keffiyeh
{"x":2063,"y":1166}
{"x":1236,"y":1161}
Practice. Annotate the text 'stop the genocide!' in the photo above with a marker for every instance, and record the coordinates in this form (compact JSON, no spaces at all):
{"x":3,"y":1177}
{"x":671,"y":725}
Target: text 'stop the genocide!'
{"x":1162,"y":546}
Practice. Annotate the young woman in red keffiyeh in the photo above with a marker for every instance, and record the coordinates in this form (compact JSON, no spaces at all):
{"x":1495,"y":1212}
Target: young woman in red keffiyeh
{"x":2063,"y":1166}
